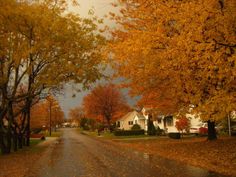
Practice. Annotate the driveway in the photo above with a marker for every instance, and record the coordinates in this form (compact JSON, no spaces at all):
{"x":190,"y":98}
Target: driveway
{"x":75,"y":155}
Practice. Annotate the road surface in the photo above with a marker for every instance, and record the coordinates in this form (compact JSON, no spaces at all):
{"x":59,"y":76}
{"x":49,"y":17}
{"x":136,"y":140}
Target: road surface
{"x":78,"y":155}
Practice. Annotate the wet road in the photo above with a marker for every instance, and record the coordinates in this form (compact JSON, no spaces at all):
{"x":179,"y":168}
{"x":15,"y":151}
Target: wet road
{"x":80,"y":155}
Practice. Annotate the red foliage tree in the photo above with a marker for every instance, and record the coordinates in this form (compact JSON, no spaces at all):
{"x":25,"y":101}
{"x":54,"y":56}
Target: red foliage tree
{"x":105,"y":103}
{"x":182,"y":124}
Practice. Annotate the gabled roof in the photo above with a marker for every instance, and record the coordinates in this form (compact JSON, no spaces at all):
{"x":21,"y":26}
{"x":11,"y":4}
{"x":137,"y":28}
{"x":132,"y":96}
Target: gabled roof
{"x":150,"y":110}
{"x":131,"y":114}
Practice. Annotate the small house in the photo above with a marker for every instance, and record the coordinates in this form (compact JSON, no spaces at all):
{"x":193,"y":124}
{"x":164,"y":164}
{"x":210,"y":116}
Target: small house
{"x":131,"y":118}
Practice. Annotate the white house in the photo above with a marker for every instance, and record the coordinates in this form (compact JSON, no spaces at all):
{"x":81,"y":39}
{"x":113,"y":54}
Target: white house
{"x":167,"y":122}
{"x":131,"y":118}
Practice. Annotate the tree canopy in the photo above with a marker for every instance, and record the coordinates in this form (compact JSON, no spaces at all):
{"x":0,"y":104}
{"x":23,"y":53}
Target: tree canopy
{"x":105,"y":103}
{"x":42,"y":47}
{"x":178,"y":53}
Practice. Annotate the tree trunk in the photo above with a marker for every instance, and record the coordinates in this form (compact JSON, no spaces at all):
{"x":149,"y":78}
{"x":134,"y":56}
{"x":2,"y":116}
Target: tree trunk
{"x":211,"y":130}
{"x":20,"y":140}
{"x":15,"y":135}
{"x":109,"y":124}
{"x":2,"y":145}
{"x":28,"y":122}
{"x":24,"y":139}
{"x":8,"y":142}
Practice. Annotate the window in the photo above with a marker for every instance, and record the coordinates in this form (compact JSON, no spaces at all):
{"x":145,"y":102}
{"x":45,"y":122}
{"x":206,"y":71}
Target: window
{"x":130,"y":122}
{"x":169,"y":121}
{"x":159,"y":120}
{"x":118,"y":124}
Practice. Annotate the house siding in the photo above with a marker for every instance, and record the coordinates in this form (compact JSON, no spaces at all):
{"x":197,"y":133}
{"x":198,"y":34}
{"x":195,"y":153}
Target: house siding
{"x":124,"y":124}
{"x":135,"y":118}
{"x":167,"y":123}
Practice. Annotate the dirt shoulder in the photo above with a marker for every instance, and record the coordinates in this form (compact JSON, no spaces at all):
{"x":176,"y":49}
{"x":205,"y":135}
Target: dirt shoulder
{"x":218,"y":156}
{"x":17,"y":164}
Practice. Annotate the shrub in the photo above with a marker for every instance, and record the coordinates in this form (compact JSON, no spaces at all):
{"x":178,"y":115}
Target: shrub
{"x":159,"y":131}
{"x":136,"y":127}
{"x":183,"y":124}
{"x":174,"y":135}
{"x":86,"y":127}
{"x":151,"y":128}
{"x":128,"y":132}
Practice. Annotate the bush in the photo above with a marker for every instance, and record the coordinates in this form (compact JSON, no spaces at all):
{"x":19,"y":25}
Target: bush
{"x":86,"y":127}
{"x":159,"y":131}
{"x":128,"y":132}
{"x":151,"y":128}
{"x":174,"y":135}
{"x":136,"y":127}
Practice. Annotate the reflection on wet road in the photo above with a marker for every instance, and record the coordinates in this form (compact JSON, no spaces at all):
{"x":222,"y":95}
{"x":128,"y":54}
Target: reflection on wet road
{"x":79,"y":155}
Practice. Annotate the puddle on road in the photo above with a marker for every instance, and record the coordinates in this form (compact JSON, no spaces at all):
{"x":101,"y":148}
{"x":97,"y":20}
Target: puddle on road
{"x":177,"y":167}
{"x":146,"y":156}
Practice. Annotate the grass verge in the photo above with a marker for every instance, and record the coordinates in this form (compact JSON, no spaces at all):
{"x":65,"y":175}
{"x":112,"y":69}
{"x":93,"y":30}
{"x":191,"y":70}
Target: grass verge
{"x":57,"y":133}
{"x":111,"y":136}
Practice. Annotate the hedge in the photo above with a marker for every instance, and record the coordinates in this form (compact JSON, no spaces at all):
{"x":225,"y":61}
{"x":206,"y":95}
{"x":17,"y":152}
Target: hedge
{"x":174,"y":135}
{"x":136,"y":127}
{"x":128,"y":132}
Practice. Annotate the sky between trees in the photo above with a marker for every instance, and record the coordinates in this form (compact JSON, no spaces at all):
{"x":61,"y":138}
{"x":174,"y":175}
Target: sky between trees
{"x":100,"y":8}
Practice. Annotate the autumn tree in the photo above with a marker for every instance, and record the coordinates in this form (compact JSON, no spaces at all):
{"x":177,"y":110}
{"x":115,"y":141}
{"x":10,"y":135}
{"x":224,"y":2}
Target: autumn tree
{"x":42,"y":47}
{"x":39,"y":115}
{"x":182,"y":124}
{"x":76,"y":114}
{"x":46,"y":113}
{"x":183,"y":52}
{"x":105,"y":103}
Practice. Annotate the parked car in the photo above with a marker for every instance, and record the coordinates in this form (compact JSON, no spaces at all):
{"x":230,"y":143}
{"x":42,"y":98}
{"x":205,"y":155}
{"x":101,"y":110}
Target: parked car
{"x":201,"y":128}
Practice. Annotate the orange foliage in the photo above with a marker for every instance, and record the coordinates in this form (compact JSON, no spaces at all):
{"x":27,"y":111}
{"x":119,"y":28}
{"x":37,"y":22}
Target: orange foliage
{"x":178,"y":53}
{"x":154,"y":100}
{"x":182,"y":124}
{"x":105,"y":103}
{"x":76,"y":113}
{"x":41,"y":111}
{"x":39,"y":115}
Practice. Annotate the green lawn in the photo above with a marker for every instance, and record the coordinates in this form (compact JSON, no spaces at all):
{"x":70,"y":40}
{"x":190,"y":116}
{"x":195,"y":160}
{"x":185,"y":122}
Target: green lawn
{"x":108,"y":135}
{"x":53,"y":134}
{"x":34,"y":142}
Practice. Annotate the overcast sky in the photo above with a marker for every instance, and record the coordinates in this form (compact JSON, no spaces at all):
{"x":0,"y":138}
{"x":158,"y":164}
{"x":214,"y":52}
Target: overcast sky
{"x":101,"y":8}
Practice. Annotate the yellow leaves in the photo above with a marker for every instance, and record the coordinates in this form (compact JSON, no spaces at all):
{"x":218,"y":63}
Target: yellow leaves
{"x":39,"y":39}
{"x":178,"y":45}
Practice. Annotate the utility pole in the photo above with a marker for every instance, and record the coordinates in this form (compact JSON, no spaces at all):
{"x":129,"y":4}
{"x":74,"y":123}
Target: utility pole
{"x":50,"y":114}
{"x":50,"y":118}
{"x":229,"y":126}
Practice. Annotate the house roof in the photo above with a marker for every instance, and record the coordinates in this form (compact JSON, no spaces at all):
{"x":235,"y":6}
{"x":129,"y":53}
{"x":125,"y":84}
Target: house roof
{"x":131,"y":114}
{"x":150,"y":110}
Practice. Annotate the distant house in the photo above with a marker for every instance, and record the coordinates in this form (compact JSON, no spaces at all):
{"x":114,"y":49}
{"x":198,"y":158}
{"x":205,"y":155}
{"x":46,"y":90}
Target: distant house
{"x":167,"y":122}
{"x":131,"y":118}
